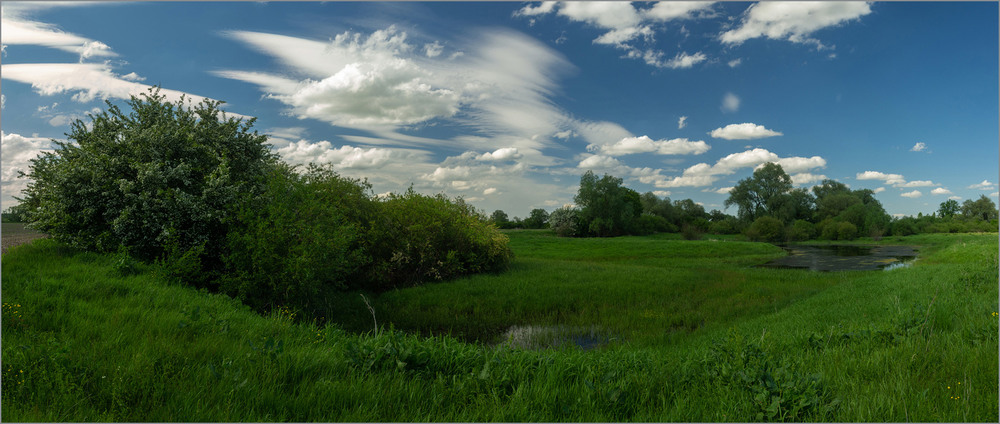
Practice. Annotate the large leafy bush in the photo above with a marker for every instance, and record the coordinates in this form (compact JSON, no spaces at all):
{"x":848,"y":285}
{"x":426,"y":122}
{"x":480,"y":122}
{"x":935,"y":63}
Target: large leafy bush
{"x":162,"y":177}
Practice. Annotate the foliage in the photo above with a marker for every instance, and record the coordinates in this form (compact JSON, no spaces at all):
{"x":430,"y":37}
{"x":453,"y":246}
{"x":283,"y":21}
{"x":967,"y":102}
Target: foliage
{"x":762,"y":193}
{"x":979,"y":209}
{"x":801,"y":230}
{"x":565,"y":221}
{"x":766,"y":228}
{"x":302,"y":239}
{"x":161,"y":173}
{"x":499,"y":218}
{"x":16,"y":213}
{"x":607,"y":208}
{"x":948,"y":208}
{"x":416,"y":238}
{"x":538,"y":218}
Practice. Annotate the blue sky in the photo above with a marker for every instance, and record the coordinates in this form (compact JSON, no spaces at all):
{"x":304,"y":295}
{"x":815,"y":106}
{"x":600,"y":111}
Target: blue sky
{"x":507,"y":104}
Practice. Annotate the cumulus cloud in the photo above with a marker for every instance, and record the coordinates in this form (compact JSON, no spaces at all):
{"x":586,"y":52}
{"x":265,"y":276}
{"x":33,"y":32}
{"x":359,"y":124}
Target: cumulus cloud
{"x":875,"y":175}
{"x":806,"y":178}
{"x":644,"y":144}
{"x":343,"y":157}
{"x":744,"y":131}
{"x":917,"y":183}
{"x":18,"y":151}
{"x":793,"y":21}
{"x":489,"y":190}
{"x":599,"y":162}
{"x":941,"y":190}
{"x":730,"y":103}
{"x":985,"y":185}
{"x":661,"y":193}
{"x":919,"y":147}
{"x":703,"y":174}
{"x":506,"y":153}
{"x":912,"y":194}
{"x":682,"y":122}
{"x":878,"y":190}
{"x":625,"y":25}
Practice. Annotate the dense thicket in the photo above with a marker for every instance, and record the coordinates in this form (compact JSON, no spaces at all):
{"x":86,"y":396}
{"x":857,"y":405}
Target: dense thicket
{"x":161,"y":177}
{"x":204,"y":196}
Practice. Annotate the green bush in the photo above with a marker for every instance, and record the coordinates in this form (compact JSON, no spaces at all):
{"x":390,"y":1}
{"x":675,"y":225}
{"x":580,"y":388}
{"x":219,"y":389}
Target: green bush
{"x":564,"y":222}
{"x":417,"y":238}
{"x":691,"y":232}
{"x":161,"y":173}
{"x":300,"y":241}
{"x":650,"y":224}
{"x":801,"y":230}
{"x":846,"y":231}
{"x":766,"y":228}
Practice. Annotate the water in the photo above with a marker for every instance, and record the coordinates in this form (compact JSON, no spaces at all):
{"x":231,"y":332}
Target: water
{"x":844,"y":257}
{"x":554,"y":337}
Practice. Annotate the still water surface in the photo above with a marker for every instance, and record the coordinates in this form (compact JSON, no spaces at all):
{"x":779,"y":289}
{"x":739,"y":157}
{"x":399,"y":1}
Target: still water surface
{"x":844,"y":257}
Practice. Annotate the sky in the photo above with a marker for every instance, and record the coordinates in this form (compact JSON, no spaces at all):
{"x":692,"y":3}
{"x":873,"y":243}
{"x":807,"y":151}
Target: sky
{"x":507,"y":104}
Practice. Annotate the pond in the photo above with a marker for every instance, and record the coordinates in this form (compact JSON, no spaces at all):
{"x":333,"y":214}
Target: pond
{"x":844,"y":257}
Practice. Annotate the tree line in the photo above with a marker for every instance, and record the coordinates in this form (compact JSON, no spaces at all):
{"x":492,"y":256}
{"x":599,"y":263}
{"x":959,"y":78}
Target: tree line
{"x":768,"y":208}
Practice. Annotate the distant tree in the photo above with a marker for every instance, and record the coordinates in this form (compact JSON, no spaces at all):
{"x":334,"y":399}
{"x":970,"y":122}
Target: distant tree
{"x":563,"y":221}
{"x":766,"y":228}
{"x":499,"y":218}
{"x":829,"y":187}
{"x":981,"y":209}
{"x":536,"y":219}
{"x":948,"y":208}
{"x":606,"y":207}
{"x":760,"y":194}
{"x":796,"y":204}
{"x":663,"y":208}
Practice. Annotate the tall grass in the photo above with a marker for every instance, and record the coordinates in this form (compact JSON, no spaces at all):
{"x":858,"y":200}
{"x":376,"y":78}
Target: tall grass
{"x":91,"y":337}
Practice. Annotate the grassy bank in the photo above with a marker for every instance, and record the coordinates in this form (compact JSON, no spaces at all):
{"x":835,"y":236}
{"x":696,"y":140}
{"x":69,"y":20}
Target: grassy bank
{"x":694,"y":333}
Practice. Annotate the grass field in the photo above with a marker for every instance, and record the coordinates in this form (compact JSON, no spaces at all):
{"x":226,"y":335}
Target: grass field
{"x":689,"y":331}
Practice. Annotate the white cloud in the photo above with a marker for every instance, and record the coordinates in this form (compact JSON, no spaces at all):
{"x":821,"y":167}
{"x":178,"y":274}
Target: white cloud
{"x":449,"y":174}
{"x":875,"y":175}
{"x":913,"y":194}
{"x":625,"y":24}
{"x":793,"y":21}
{"x":918,"y":183}
{"x":995,"y":194}
{"x":344,"y":157}
{"x":682,"y":122}
{"x":941,"y":190}
{"x":730,"y":103}
{"x":798,"y":164}
{"x":985,"y":185}
{"x":735,"y":62}
{"x":433,"y":49}
{"x":87,"y":80}
{"x":599,"y":162}
{"x":878,"y":190}
{"x":723,"y":190}
{"x":18,"y":30}
{"x":661,"y":193}
{"x":744,"y":131}
{"x":490,"y":190}
{"x":683,"y":60}
{"x":703,"y":174}
{"x":644,"y":144}
{"x":955,"y":197}
{"x":18,"y":151}
{"x":506,"y":153}
{"x":920,"y":146}
{"x":132,"y":76}
{"x":806,"y":178}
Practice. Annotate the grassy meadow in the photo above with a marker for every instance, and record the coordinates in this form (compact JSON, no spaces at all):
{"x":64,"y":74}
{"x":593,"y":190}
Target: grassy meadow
{"x":685,"y":330}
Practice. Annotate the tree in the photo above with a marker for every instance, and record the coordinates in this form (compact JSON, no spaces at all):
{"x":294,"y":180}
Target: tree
{"x":760,"y":194}
{"x":948,"y":208}
{"x":499,"y":218}
{"x":164,"y":177}
{"x":536,"y":219}
{"x":606,"y":207}
{"x":563,"y":221}
{"x":980,"y":209}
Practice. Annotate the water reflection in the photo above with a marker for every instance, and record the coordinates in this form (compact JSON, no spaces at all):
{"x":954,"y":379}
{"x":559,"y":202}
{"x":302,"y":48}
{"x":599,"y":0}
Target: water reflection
{"x":844,"y":257}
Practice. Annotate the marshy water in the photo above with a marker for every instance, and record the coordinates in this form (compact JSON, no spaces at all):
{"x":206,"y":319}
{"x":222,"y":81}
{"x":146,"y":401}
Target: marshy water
{"x":844,"y":257}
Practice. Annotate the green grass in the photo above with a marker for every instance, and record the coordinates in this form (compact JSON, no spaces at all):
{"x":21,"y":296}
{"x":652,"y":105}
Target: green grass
{"x":699,"y":334}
